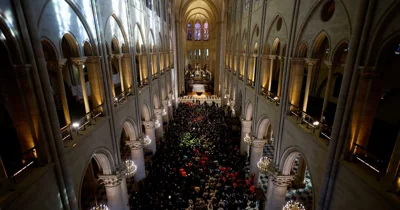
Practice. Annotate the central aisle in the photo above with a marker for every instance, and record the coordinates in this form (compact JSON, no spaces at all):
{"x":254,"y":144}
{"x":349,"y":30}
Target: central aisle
{"x":197,"y":167}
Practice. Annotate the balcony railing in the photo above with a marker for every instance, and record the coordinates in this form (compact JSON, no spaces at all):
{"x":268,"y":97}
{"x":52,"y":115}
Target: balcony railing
{"x":28,"y":159}
{"x":122,"y":96}
{"x":250,"y":83}
{"x":143,"y":82}
{"x":311,"y":123}
{"x":368,"y":159}
{"x":241,"y":77}
{"x":154,"y":76}
{"x":88,"y":119}
{"x":272,"y":97}
{"x":162,"y":71}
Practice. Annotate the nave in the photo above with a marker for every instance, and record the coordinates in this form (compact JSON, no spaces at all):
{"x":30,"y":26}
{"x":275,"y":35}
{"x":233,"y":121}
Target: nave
{"x":197,"y":166}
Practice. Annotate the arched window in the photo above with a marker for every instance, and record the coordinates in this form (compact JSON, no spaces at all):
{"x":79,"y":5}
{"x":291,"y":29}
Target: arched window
{"x":206,"y":31}
{"x":246,"y":7}
{"x":197,"y":31}
{"x":189,"y":31}
{"x":148,"y":4}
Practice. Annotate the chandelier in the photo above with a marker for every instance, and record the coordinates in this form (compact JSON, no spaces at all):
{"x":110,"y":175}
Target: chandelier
{"x":130,"y":168}
{"x":100,"y":207}
{"x":157,"y":123}
{"x":164,"y":112}
{"x":247,"y":139}
{"x":290,"y":205}
{"x":146,"y":141}
{"x":263,"y":164}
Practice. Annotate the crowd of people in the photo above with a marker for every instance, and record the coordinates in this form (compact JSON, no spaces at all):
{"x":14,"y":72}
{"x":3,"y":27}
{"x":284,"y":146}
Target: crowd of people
{"x":197,"y":166}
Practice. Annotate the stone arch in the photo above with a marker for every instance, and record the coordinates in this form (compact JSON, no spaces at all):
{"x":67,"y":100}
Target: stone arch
{"x":338,"y":50}
{"x":73,"y":45}
{"x":387,"y":29}
{"x":255,"y":34}
{"x":263,"y":128}
{"x":87,"y":49}
{"x":49,"y":49}
{"x":249,"y":110}
{"x":115,"y":47}
{"x":139,"y":37}
{"x":130,"y":128}
{"x":266,"y":49}
{"x":276,"y":47}
{"x":11,"y":40}
{"x":152,"y":42}
{"x":146,"y":114}
{"x":104,"y":161}
{"x":273,"y":32}
{"x":303,"y":50}
{"x":317,"y":44}
{"x":156,"y":101}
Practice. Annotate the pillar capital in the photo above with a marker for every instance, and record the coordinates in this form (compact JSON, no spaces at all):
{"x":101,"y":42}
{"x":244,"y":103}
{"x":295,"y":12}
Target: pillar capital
{"x":258,"y":143}
{"x":158,"y":111}
{"x":282,"y":181}
{"x":56,"y":65}
{"x":79,"y":60}
{"x":246,"y":123}
{"x":118,"y":56}
{"x":311,"y":61}
{"x":93,"y":59}
{"x":110,"y":57}
{"x":264,"y":57}
{"x":298,"y":61}
{"x":148,"y":124}
{"x":272,"y":57}
{"x":126,"y":55}
{"x":111,"y":180}
{"x":134,"y":145}
{"x":331,"y":65}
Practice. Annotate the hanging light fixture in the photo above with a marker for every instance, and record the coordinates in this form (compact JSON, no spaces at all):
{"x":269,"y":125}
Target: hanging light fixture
{"x":290,"y":205}
{"x":157,"y":123}
{"x":100,"y":207}
{"x":146,"y":141}
{"x":247,"y":139}
{"x":263,"y":164}
{"x":130,"y":168}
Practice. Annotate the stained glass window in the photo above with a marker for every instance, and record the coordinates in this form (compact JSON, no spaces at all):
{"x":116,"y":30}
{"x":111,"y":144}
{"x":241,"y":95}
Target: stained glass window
{"x":206,"y":36}
{"x":197,"y":31}
{"x":189,"y":31}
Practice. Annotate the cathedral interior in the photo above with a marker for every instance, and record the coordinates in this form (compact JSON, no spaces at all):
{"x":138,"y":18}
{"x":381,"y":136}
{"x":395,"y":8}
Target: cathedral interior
{"x":199,"y":104}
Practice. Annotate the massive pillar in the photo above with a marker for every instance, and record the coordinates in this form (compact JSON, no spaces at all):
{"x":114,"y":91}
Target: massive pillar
{"x":93,"y":66}
{"x":114,"y":191}
{"x":150,"y":132}
{"x":110,"y":58}
{"x":165,"y":114}
{"x":256,"y":153}
{"x":276,"y":191}
{"x":79,"y":62}
{"x":246,"y":129}
{"x":281,"y":62}
{"x":159,"y":125}
{"x":138,"y":158}
{"x":310,"y":65}
{"x":57,"y":67}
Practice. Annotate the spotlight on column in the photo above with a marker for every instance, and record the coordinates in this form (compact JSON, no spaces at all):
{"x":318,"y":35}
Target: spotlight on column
{"x":290,"y":205}
{"x":276,"y":98}
{"x":316,"y":123}
{"x":263,"y":164}
{"x":75,"y":125}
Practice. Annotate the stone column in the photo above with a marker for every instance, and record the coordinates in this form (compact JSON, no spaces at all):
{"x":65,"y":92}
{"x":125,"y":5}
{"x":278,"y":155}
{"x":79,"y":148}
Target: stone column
{"x":310,"y":65}
{"x":170,"y":110}
{"x":296,"y":79}
{"x":138,"y":158}
{"x":328,"y":89}
{"x":125,"y":196}
{"x":276,"y":191}
{"x":159,"y":129}
{"x":79,"y":62}
{"x":165,"y":115}
{"x":256,"y":153}
{"x":246,"y":129}
{"x":121,"y":75}
{"x":92,"y":65}
{"x":150,"y":132}
{"x":271,"y":71}
{"x":57,"y":67}
{"x":281,"y":63}
{"x":127,"y":70}
{"x":301,"y":173}
{"x":110,"y":58}
{"x":113,"y":190}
